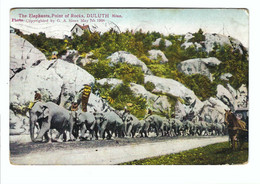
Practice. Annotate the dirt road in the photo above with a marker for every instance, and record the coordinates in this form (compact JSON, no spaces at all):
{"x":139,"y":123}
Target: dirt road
{"x":102,"y":152}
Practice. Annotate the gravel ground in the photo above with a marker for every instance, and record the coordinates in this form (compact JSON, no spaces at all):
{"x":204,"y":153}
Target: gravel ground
{"x":23,"y":151}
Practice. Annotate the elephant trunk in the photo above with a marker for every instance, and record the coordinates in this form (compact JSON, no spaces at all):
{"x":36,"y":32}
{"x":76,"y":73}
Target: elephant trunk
{"x":32,"y":128}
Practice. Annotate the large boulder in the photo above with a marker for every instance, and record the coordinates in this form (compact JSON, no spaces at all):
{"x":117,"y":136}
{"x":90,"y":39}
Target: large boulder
{"x":155,"y":102}
{"x":22,"y":54}
{"x":56,"y":80}
{"x":157,"y":54}
{"x":157,"y":42}
{"x":226,"y":97}
{"x":198,"y":66}
{"x":214,"y":110}
{"x":175,"y":88}
{"x":126,"y":57}
{"x":212,"y":39}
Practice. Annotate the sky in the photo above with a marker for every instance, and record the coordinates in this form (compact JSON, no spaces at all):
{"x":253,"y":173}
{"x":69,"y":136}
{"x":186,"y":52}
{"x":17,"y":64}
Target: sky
{"x":230,"y":22}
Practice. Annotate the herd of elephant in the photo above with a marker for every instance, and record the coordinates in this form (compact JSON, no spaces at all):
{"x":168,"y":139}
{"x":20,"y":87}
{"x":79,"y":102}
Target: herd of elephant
{"x":83,"y":125}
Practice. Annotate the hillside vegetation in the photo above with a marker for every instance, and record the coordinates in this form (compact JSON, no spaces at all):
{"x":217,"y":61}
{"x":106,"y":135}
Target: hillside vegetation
{"x":138,"y":44}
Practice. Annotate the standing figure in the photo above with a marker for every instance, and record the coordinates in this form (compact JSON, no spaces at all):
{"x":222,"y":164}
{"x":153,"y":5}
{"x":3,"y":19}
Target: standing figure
{"x":85,"y":96}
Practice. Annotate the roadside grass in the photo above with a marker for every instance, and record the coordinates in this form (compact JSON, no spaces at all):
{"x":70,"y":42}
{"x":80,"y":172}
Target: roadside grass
{"x":215,"y":154}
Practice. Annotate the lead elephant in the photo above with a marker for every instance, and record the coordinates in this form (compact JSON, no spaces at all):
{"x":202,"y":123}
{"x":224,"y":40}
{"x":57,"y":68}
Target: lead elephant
{"x":50,"y":116}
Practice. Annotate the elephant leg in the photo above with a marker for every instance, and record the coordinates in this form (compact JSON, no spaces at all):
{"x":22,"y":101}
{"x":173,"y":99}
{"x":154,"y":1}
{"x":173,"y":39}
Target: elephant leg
{"x":46,"y":137}
{"x":71,"y":127}
{"x":83,"y":131}
{"x":44,"y":128}
{"x":64,"y":137}
{"x":109,"y":136}
{"x":129,"y":130}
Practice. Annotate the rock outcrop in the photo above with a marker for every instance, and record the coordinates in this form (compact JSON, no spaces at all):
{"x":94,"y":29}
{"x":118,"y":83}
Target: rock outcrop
{"x":213,"y":110}
{"x":198,"y":66}
{"x":22,"y":55}
{"x":211,"y":39}
{"x":157,"y":42}
{"x":157,"y":55}
{"x":175,"y":88}
{"x":126,"y":57}
{"x":226,"y":97}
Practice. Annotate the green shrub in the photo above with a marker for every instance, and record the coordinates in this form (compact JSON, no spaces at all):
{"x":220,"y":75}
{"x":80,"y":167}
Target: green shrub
{"x":123,"y":96}
{"x":100,"y":70}
{"x":149,"y":86}
{"x":129,"y":73}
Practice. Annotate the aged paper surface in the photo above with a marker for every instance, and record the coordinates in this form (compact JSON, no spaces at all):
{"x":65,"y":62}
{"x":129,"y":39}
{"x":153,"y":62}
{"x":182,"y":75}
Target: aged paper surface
{"x":110,"y":86}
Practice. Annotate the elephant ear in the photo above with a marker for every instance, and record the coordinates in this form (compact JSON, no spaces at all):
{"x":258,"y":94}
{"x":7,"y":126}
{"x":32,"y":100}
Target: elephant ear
{"x":46,"y":112}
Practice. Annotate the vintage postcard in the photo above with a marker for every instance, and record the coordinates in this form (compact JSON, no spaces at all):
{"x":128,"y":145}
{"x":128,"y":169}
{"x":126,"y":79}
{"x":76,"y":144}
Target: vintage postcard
{"x":126,"y":86}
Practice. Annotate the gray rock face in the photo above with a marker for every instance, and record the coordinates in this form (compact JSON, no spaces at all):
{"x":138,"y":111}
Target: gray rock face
{"x":157,"y":42}
{"x":210,"y":40}
{"x":198,"y":66}
{"x":155,"y":103}
{"x":226,"y":97}
{"x":214,"y":110}
{"x":19,"y":124}
{"x":175,"y":88}
{"x":22,"y":54}
{"x":126,"y":57}
{"x":180,"y":111}
{"x":156,"y":54}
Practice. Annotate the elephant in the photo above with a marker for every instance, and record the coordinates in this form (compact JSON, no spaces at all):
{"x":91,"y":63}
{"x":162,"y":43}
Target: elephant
{"x":50,"y":116}
{"x":145,"y":125}
{"x":132,"y":124}
{"x":217,"y":128}
{"x":177,"y":126}
{"x":167,"y":127}
{"x":204,"y":128}
{"x":86,"y":121}
{"x":156,"y":122}
{"x":110,"y":123}
{"x":189,"y":127}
